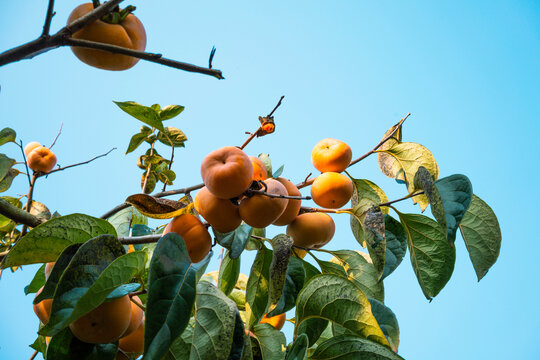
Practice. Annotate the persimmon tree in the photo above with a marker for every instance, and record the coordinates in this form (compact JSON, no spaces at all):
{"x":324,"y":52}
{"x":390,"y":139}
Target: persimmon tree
{"x":194,"y":312}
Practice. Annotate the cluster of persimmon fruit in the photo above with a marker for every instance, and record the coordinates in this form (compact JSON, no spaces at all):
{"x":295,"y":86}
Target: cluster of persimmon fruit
{"x":39,"y":157}
{"x":119,"y":320}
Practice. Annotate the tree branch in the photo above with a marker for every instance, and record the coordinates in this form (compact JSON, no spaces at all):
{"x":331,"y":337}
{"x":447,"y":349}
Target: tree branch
{"x":252,"y":192}
{"x":81,"y":163}
{"x":134,"y":240}
{"x":57,"y":135}
{"x":388,"y":203}
{"x":19,"y":215}
{"x":48,"y":18}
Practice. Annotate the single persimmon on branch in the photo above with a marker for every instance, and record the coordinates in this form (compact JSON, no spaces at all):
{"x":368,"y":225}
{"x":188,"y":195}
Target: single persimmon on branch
{"x":63,"y":37}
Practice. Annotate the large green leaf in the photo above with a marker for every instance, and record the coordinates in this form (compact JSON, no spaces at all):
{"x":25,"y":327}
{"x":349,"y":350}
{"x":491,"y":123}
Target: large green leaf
{"x":170,"y":111}
{"x":7,"y":135}
{"x":456,"y":193}
{"x":140,"y":112}
{"x":396,"y":244}
{"x":423,"y":180}
{"x":5,"y":183}
{"x":432,"y":257}
{"x":65,"y":346}
{"x":37,"y":281}
{"x":181,"y":347}
{"x":228,"y":273}
{"x":172,"y":281}
{"x":361,"y":272}
{"x":299,"y":348}
{"x":334,"y":298}
{"x":364,"y":188}
{"x":5,"y":164}
{"x":294,"y":281}
{"x":46,"y":242}
{"x":172,"y":136}
{"x":258,"y":286}
{"x":235,"y":240}
{"x":216,"y":324}
{"x":271,"y":341}
{"x":406,"y":158}
{"x":371,"y":219}
{"x":84,"y":269}
{"x":350,"y":347}
{"x":281,"y":245}
{"x":135,"y":142}
{"x":482,"y":235}
{"x":125,"y":219}
{"x":387,"y":322}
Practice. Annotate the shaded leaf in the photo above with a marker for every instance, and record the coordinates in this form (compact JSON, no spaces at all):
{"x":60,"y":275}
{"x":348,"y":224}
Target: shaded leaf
{"x":125,"y":219}
{"x":135,"y":142}
{"x":46,"y":242}
{"x":423,"y":180}
{"x":7,"y":135}
{"x":235,"y":241}
{"x":37,"y":282}
{"x":172,"y":282}
{"x":181,"y":347}
{"x":278,"y":172}
{"x":5,"y":183}
{"x":228,"y":273}
{"x":84,"y":269}
{"x":388,"y":163}
{"x":482,"y":235}
{"x":170,"y":111}
{"x":65,"y":346}
{"x":140,"y":112}
{"x":271,"y":341}
{"x":432,"y":257}
{"x":387,"y":322}
{"x":347,"y":306}
{"x":396,"y":244}
{"x":158,"y":208}
{"x":281,"y":246}
{"x":5,"y":164}
{"x":257,"y":297}
{"x":40,"y":210}
{"x":364,"y":188}
{"x":40,"y":344}
{"x":456,"y":193}
{"x":148,"y":184}
{"x":294,"y":281}
{"x":299,"y":349}
{"x":350,"y":347}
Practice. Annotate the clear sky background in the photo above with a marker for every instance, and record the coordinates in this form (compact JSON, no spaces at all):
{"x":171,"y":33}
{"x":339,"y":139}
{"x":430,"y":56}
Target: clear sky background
{"x":468,"y":71}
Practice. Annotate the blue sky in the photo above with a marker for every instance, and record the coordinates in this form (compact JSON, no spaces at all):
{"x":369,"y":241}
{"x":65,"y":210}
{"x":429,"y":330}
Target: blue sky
{"x":469,"y":72}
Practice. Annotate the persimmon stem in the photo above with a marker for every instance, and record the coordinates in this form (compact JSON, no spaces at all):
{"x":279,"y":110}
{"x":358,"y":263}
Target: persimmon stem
{"x":275,"y":108}
{"x":57,"y":136}
{"x":148,"y":168}
{"x":34,"y":355}
{"x":252,"y":192}
{"x":388,"y":203}
{"x":137,"y":293}
{"x":260,"y":129}
{"x":142,"y":307}
{"x":251,"y":137}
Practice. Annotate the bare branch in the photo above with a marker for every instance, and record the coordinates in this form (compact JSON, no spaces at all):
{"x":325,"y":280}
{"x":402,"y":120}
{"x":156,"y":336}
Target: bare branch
{"x":251,"y":192}
{"x":48,"y":18}
{"x":57,"y":136}
{"x":212,"y":53}
{"x":25,"y":164}
{"x":19,"y":215}
{"x":388,"y":203}
{"x":90,"y":17}
{"x":275,"y":108}
{"x":134,"y":240}
{"x":81,"y":163}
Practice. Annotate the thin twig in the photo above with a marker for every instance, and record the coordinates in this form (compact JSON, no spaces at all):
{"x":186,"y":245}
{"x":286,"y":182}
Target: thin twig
{"x":25,"y":164}
{"x":57,"y":135}
{"x":134,"y":240}
{"x":388,"y":203}
{"x":78,"y":164}
{"x":48,"y":18}
{"x":29,"y":197}
{"x":212,"y":53}
{"x":304,"y":209}
{"x":275,"y":108}
{"x":305,"y":183}
{"x":249,"y":139}
{"x":137,"y":293}
{"x":90,"y":17}
{"x":148,"y":168}
{"x":251,"y":192}
{"x":170,"y":166}
{"x":34,"y":355}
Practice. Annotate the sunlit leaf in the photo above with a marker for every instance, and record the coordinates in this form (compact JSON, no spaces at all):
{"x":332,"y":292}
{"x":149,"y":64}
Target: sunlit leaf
{"x":5,"y":183}
{"x":7,"y":135}
{"x":387,"y":322}
{"x":40,"y":210}
{"x":257,"y":296}
{"x":5,"y":164}
{"x":170,"y":111}
{"x":140,"y":112}
{"x":172,"y":136}
{"x":350,"y":347}
{"x":228,"y":273}
{"x":364,"y":188}
{"x":158,"y":208}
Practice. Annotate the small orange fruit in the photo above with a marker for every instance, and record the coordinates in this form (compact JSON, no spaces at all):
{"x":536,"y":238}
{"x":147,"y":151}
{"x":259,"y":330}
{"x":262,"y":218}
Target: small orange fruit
{"x":311,"y":230}
{"x":260,"y":211}
{"x":191,"y":229}
{"x":43,"y":308}
{"x":293,"y":206}
{"x":259,"y":170}
{"x":331,"y":155}
{"x":331,"y":190}
{"x":276,"y":321}
{"x":48,"y":268}
{"x":104,"y":324}
{"x":222,"y":214}
{"x":136,"y":316}
{"x":30,"y":146}
{"x":133,"y":344}
{"x":227,"y":172}
{"x":41,"y":159}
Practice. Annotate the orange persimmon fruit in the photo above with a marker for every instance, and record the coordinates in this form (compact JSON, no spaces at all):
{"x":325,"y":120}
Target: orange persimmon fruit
{"x":41,"y":159}
{"x":259,"y":210}
{"x":196,"y":236}
{"x":276,"y":321}
{"x":331,"y":155}
{"x":311,"y":230}
{"x":259,"y":169}
{"x":293,"y":206}
{"x":222,"y":214}
{"x":331,"y":190}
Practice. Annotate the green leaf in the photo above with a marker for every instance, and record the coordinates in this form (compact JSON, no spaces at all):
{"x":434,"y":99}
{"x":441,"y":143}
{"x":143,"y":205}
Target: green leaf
{"x":46,"y":242}
{"x":350,"y":347}
{"x":181,"y":347}
{"x":170,"y":111}
{"x":406,"y":158}
{"x":294,"y":281}
{"x":371,"y":219}
{"x":141,"y":230}
{"x":267,"y":162}
{"x":65,"y":346}
{"x":172,"y":136}
{"x":332,"y":268}
{"x":456,"y":193}
{"x":158,"y":208}
{"x":56,"y":273}
{"x":135,"y":142}
{"x":432,"y":257}
{"x":278,"y":172}
{"x":387,"y":322}
{"x":172,"y":282}
{"x":156,"y":107}
{"x":150,"y":183}
{"x":40,"y":210}
{"x":5,"y":164}
{"x":140,"y":112}
{"x":125,"y":219}
{"x":257,"y":297}
{"x":37,"y":282}
{"x":334,"y":298}
{"x":78,"y":279}
{"x":396,"y":244}
{"x":40,"y":344}
{"x":364,"y":188}
{"x":5,"y":183}
{"x":271,"y":341}
{"x":423,"y":180}
{"x":361,"y":272}
{"x":7,"y":135}
{"x":482,"y":235}
{"x":216,"y":323}
{"x":313,"y":327}
{"x":228,"y":273}
{"x":299,"y":349}
{"x":235,"y":241}
{"x":309,"y":269}
{"x":281,"y":245}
